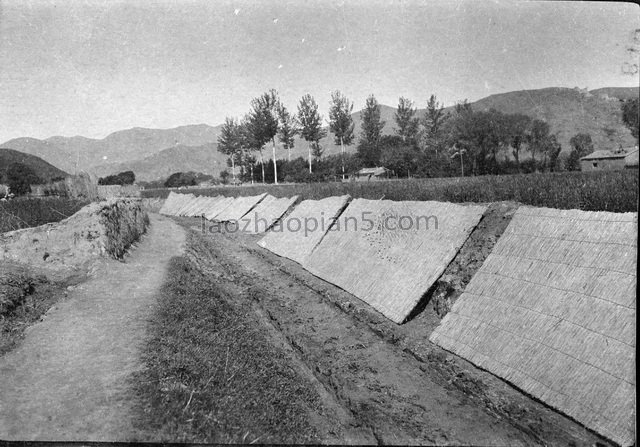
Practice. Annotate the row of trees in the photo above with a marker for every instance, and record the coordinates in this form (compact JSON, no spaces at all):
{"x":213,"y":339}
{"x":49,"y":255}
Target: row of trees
{"x":268,"y":120}
{"x":122,"y":178}
{"x":436,"y":143}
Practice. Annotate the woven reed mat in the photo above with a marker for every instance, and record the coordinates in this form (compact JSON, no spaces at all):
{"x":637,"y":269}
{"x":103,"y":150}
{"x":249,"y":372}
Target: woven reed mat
{"x":268,"y":212}
{"x":239,"y":207}
{"x":189,"y":206}
{"x":170,"y":204}
{"x":294,"y":236}
{"x":195,"y":207}
{"x":217,"y":207}
{"x":183,"y":203}
{"x":389,"y":254}
{"x":552,"y":310}
{"x":203,"y":206}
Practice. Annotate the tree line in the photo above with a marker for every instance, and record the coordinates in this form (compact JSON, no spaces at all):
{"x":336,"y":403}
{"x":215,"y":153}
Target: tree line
{"x":436,"y":143}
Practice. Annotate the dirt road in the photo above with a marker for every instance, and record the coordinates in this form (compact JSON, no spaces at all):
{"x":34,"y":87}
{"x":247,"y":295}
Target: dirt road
{"x":68,"y":379}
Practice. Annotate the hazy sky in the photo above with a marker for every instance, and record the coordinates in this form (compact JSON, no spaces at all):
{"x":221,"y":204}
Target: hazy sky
{"x":93,"y":67}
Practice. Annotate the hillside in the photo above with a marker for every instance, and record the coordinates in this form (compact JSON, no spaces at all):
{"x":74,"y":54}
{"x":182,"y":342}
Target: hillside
{"x":41,"y":168}
{"x":122,"y":146}
{"x":568,"y":112}
{"x":622,"y":93}
{"x":182,"y":158}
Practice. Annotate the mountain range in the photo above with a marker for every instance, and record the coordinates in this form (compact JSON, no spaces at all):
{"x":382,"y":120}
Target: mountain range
{"x":156,"y":153}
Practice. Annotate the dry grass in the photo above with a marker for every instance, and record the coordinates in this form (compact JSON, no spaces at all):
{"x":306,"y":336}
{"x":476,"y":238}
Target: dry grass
{"x":124,"y":222}
{"x":212,"y":376}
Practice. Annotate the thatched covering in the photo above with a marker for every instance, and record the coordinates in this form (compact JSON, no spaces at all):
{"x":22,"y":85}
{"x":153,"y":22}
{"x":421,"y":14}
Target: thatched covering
{"x":175,"y":203}
{"x":169,"y":204}
{"x":238,"y":208}
{"x":389,"y":254}
{"x":196,"y":207}
{"x":552,"y":310}
{"x":201,"y":207}
{"x":187,"y":201}
{"x":294,"y":237}
{"x":263,"y":216}
{"x":217,"y":207}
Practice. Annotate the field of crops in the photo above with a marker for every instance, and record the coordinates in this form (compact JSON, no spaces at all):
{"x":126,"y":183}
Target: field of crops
{"x":615,"y":191}
{"x":24,"y":213}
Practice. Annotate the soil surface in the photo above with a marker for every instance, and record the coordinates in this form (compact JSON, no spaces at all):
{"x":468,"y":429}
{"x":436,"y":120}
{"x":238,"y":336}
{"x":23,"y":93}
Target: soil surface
{"x":389,"y":379}
{"x":68,"y":379}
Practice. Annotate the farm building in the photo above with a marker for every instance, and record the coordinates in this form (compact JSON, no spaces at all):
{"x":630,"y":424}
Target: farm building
{"x":608,"y":160}
{"x":371,"y":174}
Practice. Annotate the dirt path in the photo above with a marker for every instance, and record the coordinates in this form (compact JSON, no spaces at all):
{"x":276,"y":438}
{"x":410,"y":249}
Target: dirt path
{"x":68,"y":379}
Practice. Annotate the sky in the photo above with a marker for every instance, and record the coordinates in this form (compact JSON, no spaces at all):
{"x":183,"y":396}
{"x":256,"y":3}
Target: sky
{"x":94,"y":67}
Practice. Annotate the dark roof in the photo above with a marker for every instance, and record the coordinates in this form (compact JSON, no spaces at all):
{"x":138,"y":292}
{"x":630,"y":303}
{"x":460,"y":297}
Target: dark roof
{"x":599,"y":155}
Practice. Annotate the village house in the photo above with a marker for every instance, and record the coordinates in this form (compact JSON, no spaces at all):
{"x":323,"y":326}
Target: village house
{"x":371,"y":174}
{"x":609,"y":160}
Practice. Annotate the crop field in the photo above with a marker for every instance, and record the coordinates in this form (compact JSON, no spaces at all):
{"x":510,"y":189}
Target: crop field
{"x":24,"y":213}
{"x":615,"y":191}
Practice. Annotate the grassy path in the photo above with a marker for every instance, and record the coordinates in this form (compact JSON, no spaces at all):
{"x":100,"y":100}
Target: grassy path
{"x":69,"y":379}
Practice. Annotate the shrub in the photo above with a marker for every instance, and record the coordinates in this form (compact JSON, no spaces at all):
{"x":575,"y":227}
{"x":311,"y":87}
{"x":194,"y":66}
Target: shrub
{"x":123,"y":178}
{"x":20,"y":178}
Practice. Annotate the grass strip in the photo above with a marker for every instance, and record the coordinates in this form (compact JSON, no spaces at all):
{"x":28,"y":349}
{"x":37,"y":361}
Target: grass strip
{"x":211,"y":374}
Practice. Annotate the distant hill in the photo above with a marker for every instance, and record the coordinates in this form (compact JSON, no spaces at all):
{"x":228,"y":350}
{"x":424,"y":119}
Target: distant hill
{"x":182,"y":158}
{"x":568,"y":112}
{"x":122,"y":146}
{"x":622,"y":93}
{"x":41,"y":168}
{"x":156,"y":153}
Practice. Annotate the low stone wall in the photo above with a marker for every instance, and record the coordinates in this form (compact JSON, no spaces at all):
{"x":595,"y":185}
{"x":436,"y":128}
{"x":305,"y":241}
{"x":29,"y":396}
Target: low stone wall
{"x":102,"y":229}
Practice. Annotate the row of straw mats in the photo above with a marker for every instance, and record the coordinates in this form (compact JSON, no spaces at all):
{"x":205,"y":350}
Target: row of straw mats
{"x":188,"y":200}
{"x":267,"y":213}
{"x":193,"y":206}
{"x":255,"y":214}
{"x":389,"y":254}
{"x":238,"y":208}
{"x":296,"y":235}
{"x":552,"y":310}
{"x":217,"y":207}
{"x":173,"y":203}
